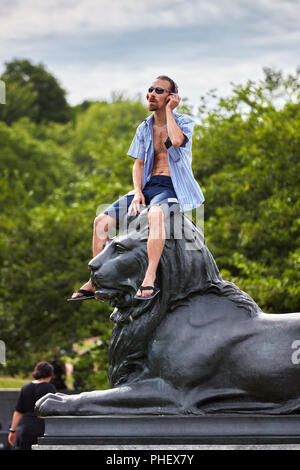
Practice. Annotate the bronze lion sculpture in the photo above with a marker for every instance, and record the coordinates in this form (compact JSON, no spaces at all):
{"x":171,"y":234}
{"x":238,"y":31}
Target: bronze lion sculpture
{"x":201,"y":346}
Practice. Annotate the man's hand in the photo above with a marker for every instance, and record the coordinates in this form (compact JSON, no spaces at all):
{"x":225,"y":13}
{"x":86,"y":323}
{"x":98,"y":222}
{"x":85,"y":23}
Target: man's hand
{"x":173,"y":101}
{"x":138,"y":199}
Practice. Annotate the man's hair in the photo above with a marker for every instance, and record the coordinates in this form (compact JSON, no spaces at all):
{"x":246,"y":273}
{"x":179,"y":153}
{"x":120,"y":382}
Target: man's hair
{"x":173,"y":86}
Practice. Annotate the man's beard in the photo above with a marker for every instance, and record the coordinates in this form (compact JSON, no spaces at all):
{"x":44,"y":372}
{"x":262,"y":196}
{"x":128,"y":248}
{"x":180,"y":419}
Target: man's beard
{"x":152,"y":106}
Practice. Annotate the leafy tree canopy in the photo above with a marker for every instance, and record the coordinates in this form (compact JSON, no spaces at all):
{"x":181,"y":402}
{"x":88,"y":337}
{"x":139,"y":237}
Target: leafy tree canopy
{"x":34,"y":92}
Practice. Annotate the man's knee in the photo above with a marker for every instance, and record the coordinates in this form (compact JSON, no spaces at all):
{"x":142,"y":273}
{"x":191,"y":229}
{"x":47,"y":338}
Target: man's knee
{"x":155,"y":212}
{"x":156,"y":223}
{"x":102,"y":224}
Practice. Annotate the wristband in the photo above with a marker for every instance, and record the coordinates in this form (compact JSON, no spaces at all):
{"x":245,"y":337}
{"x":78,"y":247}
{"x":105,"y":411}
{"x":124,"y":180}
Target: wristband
{"x":168,"y":143}
{"x":12,"y":430}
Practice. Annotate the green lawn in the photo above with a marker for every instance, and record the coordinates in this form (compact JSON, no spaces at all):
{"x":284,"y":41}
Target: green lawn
{"x":13,"y":382}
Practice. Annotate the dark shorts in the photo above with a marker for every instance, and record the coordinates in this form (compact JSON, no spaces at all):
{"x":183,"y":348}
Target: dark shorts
{"x":157,"y":191}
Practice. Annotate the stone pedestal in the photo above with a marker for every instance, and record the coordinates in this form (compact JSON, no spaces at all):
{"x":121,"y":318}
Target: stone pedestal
{"x":190,"y":432}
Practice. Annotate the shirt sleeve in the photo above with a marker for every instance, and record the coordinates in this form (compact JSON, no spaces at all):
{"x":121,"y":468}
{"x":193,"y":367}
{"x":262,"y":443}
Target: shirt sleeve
{"x":137,"y":147}
{"x":187,"y":124}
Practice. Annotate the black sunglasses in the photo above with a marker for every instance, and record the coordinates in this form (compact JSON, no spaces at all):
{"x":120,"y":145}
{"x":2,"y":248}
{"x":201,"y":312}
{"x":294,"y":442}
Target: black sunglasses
{"x":158,"y":90}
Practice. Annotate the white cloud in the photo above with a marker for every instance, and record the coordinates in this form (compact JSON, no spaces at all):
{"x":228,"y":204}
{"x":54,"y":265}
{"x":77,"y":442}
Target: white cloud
{"x":32,"y":18}
{"x":96,"y":46}
{"x":194,"y":78}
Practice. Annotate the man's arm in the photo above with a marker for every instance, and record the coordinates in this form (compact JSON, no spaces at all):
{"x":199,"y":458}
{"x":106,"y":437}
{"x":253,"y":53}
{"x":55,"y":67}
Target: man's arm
{"x":137,"y":178}
{"x":137,"y":174}
{"x":174,"y":132}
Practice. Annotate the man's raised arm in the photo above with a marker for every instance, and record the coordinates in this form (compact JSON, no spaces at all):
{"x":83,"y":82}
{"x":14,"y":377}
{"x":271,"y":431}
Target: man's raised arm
{"x":174,"y":132}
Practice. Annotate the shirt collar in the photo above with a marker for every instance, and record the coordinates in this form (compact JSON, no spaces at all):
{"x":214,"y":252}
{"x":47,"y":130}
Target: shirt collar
{"x":149,"y":119}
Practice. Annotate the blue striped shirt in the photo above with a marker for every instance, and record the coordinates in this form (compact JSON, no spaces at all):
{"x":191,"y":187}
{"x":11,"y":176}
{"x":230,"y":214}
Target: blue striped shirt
{"x":187,"y":189}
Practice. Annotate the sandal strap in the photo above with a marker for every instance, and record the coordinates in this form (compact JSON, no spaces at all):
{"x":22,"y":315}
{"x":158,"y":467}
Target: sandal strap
{"x":147,"y":288}
{"x":86,"y":292}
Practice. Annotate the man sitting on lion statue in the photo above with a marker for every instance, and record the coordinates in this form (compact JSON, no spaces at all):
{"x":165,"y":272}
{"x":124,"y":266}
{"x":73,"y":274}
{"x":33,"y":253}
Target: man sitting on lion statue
{"x":162,"y":175}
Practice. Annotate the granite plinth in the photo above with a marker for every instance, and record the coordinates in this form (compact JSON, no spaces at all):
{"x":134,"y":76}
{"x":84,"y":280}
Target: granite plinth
{"x":172,"y":430}
{"x":164,"y":448}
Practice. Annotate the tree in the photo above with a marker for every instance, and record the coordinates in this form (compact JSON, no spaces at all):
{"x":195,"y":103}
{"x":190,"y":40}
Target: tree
{"x":34,"y":92}
{"x":49,"y":202}
{"x":247,"y":157}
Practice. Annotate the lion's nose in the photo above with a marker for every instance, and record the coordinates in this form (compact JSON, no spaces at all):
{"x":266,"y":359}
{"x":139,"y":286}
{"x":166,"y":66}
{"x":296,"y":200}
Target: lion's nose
{"x":95,"y":263}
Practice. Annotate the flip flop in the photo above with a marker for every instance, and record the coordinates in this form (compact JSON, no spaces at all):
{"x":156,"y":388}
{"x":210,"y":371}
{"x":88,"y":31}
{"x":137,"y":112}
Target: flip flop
{"x":87,"y":295}
{"x":156,"y":291}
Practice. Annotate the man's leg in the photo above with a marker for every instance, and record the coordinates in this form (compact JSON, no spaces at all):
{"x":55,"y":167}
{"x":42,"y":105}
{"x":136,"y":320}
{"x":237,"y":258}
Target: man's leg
{"x":155,"y":246}
{"x":102,"y":224}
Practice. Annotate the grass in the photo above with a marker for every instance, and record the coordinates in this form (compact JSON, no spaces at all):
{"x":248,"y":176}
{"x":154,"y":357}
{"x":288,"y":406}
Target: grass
{"x":13,"y":382}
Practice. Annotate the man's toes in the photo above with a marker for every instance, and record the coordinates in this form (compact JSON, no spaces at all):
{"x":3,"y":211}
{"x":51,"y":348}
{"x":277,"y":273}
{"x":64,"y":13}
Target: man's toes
{"x":76,"y":294}
{"x":146,"y":293}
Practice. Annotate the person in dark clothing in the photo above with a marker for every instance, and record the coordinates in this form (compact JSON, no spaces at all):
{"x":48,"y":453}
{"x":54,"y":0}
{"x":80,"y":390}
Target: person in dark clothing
{"x":58,"y":375}
{"x":31,"y":426}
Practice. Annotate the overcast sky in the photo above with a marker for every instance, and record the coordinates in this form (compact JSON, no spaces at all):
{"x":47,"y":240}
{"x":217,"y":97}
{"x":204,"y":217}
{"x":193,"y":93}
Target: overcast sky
{"x":95,"y":47}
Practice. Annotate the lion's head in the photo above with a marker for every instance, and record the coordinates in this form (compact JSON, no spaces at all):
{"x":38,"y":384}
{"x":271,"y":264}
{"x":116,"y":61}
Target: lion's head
{"x":186,"y":266}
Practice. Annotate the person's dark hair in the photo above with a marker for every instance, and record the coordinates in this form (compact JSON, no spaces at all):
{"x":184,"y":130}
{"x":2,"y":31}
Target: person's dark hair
{"x":42,"y":370}
{"x":173,"y":86}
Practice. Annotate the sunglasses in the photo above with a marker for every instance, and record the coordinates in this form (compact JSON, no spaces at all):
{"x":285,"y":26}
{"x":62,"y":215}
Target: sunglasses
{"x":157,"y":90}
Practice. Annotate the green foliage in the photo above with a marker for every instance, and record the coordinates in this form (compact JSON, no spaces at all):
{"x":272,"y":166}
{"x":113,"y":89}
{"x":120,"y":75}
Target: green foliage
{"x":32,"y":165}
{"x":91,"y":367}
{"x":104,"y":133}
{"x":20,"y":102}
{"x":247,"y":156}
{"x":54,"y":175}
{"x":49,"y":200}
{"x":33,"y":92}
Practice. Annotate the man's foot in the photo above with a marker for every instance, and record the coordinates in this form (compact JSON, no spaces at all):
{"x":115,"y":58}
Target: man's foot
{"x":153,"y":292}
{"x":88,"y":286}
{"x":148,"y":282}
{"x":147,"y":289}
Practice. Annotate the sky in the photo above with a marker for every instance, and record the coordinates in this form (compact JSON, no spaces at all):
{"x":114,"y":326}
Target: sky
{"x":96,"y":47}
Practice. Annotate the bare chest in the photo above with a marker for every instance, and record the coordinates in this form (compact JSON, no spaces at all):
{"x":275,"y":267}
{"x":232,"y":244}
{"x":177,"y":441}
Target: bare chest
{"x":159,"y":138}
{"x":161,"y":164}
